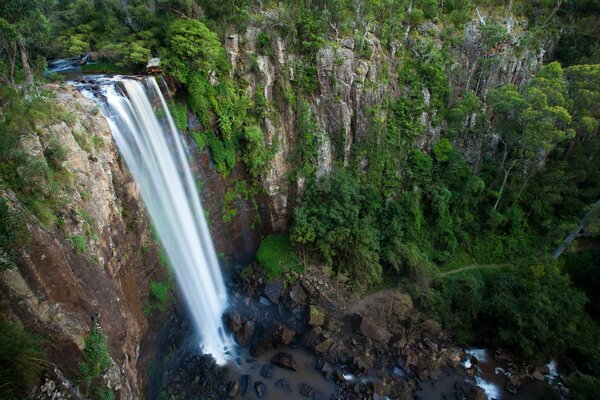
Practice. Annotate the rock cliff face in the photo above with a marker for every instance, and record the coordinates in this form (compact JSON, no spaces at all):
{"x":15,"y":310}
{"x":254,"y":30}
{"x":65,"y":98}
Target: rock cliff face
{"x":60,"y":290}
{"x":351,"y":82}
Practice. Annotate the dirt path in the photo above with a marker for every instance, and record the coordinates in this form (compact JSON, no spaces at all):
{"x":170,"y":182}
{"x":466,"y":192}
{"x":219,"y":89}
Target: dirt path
{"x":473,"y":266}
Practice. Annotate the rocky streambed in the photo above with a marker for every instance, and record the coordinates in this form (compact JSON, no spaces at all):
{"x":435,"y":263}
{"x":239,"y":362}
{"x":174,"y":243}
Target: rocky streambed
{"x":295,"y":342}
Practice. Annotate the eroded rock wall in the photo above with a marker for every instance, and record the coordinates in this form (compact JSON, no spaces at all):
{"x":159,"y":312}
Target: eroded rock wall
{"x":352,"y":82}
{"x":59,"y":290}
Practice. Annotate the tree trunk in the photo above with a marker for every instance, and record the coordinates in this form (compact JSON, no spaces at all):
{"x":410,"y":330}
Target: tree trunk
{"x":25,"y":63}
{"x":576,"y":233}
{"x":506,"y":173}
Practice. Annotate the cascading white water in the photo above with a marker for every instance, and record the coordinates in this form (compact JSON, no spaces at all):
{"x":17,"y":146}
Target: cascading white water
{"x":154,"y":153}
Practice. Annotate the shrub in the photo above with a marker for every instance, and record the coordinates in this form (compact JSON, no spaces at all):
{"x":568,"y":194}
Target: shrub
{"x":276,"y":255}
{"x":96,"y":360}
{"x":22,"y":360}
{"x":12,"y":232}
{"x":79,"y":243}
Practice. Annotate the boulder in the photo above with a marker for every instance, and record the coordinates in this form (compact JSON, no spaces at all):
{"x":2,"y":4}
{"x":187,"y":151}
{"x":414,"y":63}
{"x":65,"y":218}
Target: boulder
{"x":473,"y":360}
{"x":273,"y":291}
{"x":316,"y":316}
{"x":244,"y":335}
{"x":283,"y":385}
{"x":267,"y":371}
{"x":287,"y":335}
{"x":324,"y":345}
{"x":233,"y":320}
{"x":284,"y":360}
{"x":153,"y":66}
{"x":327,"y":370}
{"x":348,"y":43}
{"x":245,"y":384}
{"x":232,"y":389}
{"x":538,"y":376}
{"x":297,"y":295}
{"x":260,"y":389}
{"x":476,"y":393}
{"x":367,"y":328}
{"x":306,"y":390}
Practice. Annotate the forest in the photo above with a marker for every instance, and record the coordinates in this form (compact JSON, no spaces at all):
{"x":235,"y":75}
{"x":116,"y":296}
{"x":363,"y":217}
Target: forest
{"x":479,"y":242}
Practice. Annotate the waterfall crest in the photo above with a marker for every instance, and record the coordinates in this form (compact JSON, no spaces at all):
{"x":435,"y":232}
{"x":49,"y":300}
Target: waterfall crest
{"x":155,"y":155}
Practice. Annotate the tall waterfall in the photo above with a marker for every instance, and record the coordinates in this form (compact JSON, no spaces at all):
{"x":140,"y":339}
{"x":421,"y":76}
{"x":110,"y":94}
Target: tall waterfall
{"x":154,"y":153}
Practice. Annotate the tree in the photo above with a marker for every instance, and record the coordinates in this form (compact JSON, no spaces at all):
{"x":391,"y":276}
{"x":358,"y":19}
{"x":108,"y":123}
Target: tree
{"x":24,"y":27}
{"x":529,"y":124}
{"x":193,"y":47}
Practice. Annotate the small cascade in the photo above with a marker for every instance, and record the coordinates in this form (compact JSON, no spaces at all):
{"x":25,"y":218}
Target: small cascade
{"x":154,"y":152}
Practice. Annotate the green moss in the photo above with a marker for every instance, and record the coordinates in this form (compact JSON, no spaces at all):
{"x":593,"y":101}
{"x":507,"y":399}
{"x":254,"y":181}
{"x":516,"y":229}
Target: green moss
{"x":276,"y":256}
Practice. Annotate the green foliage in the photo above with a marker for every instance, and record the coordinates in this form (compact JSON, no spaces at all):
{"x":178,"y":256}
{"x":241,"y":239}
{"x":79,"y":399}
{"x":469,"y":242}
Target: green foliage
{"x":104,"y":68}
{"x":307,"y":150}
{"x":193,"y":47}
{"x":79,"y":243}
{"x":532,"y":309}
{"x":583,"y":387}
{"x":39,"y":181}
{"x":276,"y":256}
{"x":257,"y":154}
{"x":96,"y":360}
{"x":179,"y":113}
{"x":160,"y":293}
{"x":222,"y":152}
{"x":442,"y":149}
{"x":12,"y":234}
{"x":334,"y":216}
{"x":22,"y":360}
{"x":493,"y":34}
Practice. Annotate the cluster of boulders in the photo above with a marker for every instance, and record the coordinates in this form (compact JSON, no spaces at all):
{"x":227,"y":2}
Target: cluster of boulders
{"x":358,"y":353}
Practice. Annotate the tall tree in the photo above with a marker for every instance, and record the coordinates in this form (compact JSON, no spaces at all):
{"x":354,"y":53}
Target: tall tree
{"x":23,"y":27}
{"x":529,"y":124}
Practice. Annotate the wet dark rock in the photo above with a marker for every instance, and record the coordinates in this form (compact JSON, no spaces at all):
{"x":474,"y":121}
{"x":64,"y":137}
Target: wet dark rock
{"x":297,"y":295}
{"x":367,"y":328}
{"x":267,"y":371}
{"x":538,"y":376}
{"x":287,"y":335}
{"x":273,"y":291}
{"x":512,"y":384}
{"x":233,"y":388}
{"x":244,"y":335}
{"x":476,"y":393}
{"x":285,"y":360}
{"x":338,"y":377}
{"x":306,"y":390}
{"x":245,"y":381}
{"x":324,"y":346}
{"x":195,"y":376}
{"x":284,"y":385}
{"x":471,"y":371}
{"x":474,"y":360}
{"x":264,"y":301}
{"x":233,"y":320}
{"x":260,"y":389}
{"x":327,"y":370}
{"x":313,"y":337}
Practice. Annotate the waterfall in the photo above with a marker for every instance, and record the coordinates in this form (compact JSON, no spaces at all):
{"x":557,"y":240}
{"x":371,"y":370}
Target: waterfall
{"x":155,"y":155}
